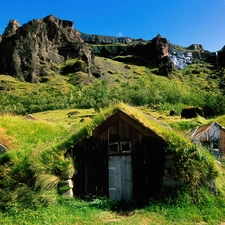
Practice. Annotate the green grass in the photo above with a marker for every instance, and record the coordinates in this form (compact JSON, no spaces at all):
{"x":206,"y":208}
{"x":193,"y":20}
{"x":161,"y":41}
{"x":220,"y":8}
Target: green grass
{"x":27,"y":134}
{"x":120,"y":81}
{"x":34,"y":164}
{"x":42,"y":142}
{"x":34,"y":160}
{"x":62,"y":116}
{"x":102,"y":211}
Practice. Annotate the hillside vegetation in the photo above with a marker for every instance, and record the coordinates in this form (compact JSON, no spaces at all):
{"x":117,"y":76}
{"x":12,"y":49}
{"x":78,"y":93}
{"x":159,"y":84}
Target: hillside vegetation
{"x":32,"y":169}
{"x":198,"y":85}
{"x":57,"y":85}
{"x":34,"y":165}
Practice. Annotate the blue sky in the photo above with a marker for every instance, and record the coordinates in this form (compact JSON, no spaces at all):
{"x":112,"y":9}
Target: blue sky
{"x":182,"y":22}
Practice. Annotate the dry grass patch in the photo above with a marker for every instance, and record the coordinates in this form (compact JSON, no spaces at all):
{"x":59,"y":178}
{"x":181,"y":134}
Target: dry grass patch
{"x":5,"y":139}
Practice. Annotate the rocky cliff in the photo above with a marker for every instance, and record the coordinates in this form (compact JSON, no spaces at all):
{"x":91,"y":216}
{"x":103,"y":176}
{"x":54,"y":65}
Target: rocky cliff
{"x":33,"y":51}
{"x":152,"y":49}
{"x":30,"y":51}
{"x":155,"y":51}
{"x":101,"y":39}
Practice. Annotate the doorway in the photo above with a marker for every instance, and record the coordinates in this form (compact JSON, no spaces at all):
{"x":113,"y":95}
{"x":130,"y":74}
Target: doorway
{"x":120,"y":177}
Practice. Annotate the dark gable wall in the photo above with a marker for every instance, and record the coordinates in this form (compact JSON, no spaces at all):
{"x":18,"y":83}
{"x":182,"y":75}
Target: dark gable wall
{"x":91,"y":161}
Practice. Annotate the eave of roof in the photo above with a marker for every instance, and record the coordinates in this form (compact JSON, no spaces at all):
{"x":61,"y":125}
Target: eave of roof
{"x":198,"y":131}
{"x":132,"y":121}
{"x":144,"y":122}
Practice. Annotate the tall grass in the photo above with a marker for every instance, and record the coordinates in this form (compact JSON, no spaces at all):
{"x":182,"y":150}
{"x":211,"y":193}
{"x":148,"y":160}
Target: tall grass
{"x":33,"y":165}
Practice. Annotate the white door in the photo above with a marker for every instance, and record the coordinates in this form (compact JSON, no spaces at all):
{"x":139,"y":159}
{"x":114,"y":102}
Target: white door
{"x":120,"y":177}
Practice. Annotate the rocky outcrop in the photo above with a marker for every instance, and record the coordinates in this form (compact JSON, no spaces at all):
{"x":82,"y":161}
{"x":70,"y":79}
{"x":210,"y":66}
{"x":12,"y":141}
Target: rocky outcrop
{"x":220,"y":57}
{"x":30,"y":51}
{"x":2,"y":148}
{"x":101,"y":39}
{"x":151,"y":50}
{"x":156,"y":51}
{"x":11,"y":28}
{"x":196,"y":47}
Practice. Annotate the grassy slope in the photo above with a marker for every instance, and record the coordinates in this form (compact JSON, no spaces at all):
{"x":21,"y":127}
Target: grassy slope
{"x":136,"y":85}
{"x":52,"y":127}
{"x":22,"y":133}
{"x":48,"y":131}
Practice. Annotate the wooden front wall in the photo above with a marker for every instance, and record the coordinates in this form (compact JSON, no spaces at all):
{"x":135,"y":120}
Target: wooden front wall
{"x":222,"y":135}
{"x":91,"y":162}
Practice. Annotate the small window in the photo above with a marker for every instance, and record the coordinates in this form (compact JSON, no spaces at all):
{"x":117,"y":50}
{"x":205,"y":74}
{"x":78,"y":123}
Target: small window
{"x":125,"y":147}
{"x":215,"y":145}
{"x":114,"y":148}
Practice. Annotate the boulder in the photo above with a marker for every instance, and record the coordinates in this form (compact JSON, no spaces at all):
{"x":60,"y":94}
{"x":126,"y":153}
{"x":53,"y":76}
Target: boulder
{"x":2,"y":148}
{"x":166,"y":66}
{"x":66,"y":188}
{"x":173,"y":113}
{"x":29,"y":117}
{"x":191,"y":112}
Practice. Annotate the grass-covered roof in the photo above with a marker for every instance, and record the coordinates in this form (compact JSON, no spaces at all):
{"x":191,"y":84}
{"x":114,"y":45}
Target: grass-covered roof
{"x":159,"y":128}
{"x":194,"y":166}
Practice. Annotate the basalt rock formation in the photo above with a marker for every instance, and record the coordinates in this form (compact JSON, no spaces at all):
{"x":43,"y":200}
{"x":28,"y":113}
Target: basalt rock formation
{"x":30,"y":52}
{"x":197,"y":47}
{"x":154,"y":51}
{"x":107,"y":46}
{"x":101,"y":39}
{"x":220,"y":57}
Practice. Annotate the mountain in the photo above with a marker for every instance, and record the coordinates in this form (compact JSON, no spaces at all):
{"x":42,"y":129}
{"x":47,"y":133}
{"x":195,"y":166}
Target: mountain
{"x":32,"y":51}
{"x":77,"y":70}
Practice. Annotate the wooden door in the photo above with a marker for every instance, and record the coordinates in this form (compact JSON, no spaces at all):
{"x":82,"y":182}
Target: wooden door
{"x":120,"y":177}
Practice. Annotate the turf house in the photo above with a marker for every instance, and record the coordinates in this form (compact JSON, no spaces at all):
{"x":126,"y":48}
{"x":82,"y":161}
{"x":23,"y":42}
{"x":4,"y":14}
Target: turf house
{"x":125,"y":154}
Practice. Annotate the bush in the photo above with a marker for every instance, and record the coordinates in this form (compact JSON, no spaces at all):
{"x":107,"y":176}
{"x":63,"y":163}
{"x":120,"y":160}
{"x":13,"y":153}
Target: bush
{"x":214,"y":105}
